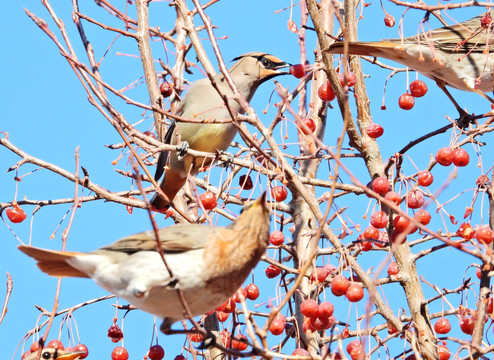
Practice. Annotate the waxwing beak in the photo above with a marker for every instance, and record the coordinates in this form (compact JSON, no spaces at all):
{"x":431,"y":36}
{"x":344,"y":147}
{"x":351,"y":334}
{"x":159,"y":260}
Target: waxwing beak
{"x":282,"y":65}
{"x":71,"y":355}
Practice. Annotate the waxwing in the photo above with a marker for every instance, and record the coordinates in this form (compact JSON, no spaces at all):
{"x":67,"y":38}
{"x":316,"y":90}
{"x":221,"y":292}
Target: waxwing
{"x":202,"y":101}
{"x":55,"y":354}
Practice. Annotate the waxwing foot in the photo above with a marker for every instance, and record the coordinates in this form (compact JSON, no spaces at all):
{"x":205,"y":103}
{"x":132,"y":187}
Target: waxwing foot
{"x":229,"y":161}
{"x":182,"y":150}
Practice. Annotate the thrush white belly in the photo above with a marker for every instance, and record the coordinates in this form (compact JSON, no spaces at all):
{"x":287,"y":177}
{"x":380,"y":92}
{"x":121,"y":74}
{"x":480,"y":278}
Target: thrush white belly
{"x":143,"y":281}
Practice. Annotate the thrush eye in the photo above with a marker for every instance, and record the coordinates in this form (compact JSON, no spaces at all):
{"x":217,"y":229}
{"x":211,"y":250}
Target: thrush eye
{"x":46,"y":355}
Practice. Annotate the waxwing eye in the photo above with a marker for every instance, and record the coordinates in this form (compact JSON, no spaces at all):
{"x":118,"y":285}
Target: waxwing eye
{"x":46,"y":355}
{"x":265,"y":62}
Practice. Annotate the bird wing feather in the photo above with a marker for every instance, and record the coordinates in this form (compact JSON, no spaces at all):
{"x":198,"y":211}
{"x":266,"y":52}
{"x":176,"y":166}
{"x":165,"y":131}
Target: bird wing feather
{"x":178,"y":238}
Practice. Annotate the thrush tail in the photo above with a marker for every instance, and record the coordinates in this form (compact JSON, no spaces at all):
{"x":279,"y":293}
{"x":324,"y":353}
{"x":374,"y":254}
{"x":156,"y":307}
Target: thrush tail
{"x":171,"y":185}
{"x":377,"y":49}
{"x":53,"y":262}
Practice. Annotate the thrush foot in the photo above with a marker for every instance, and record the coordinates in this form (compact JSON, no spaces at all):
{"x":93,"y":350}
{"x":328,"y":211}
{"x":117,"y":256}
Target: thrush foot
{"x":208,"y":342}
{"x":182,"y":149}
{"x":465,"y":119}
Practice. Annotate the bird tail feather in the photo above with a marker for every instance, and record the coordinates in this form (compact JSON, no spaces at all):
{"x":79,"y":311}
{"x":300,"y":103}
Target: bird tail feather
{"x":53,"y":262}
{"x":377,"y":49}
{"x":171,"y":185}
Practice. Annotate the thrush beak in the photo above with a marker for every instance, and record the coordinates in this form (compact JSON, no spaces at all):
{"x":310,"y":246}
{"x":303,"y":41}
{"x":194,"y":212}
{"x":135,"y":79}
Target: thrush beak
{"x":71,"y":355}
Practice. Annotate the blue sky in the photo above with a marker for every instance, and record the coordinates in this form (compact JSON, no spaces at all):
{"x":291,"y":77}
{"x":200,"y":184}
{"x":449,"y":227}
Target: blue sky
{"x":45,"y":111}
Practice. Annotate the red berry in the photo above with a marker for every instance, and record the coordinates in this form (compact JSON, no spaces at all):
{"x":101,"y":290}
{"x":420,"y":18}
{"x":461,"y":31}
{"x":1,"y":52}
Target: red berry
{"x":279,"y":193}
{"x":484,"y":235}
{"x":196,"y":337}
{"x":318,"y":323}
{"x":362,"y":240}
{"x":230,"y":305}
{"x":277,"y":326}
{"x":425,"y":178}
{"x":402,"y":224}
{"x":442,"y":326}
{"x":297,"y":70}
{"x":300,"y":352}
{"x":444,"y":156}
{"x":418,"y":88}
{"x":222,"y":316}
{"x":309,"y":308}
{"x":443,"y":352}
{"x":272,"y":271}
{"x":394,"y":197}
{"x":393,"y":269}
{"x":149,"y":133}
{"x":325,"y":310}
{"x":276,"y":238}
{"x":320,"y":274}
{"x":236,"y":297}
{"x":252,"y":291}
{"x":331,"y":268}
{"x":354,"y":293}
{"x":422,"y":216}
{"x":339,"y":285}
{"x":379,"y":219}
{"x":82,"y":347}
{"x":406,"y":101}
{"x":310,"y":125}
{"x":16,"y":214}
{"x":34,"y":347}
{"x":353,"y":345}
{"x":398,"y":237}
{"x":225,"y":338}
{"x":239,"y":342}
{"x":55,"y":344}
{"x":415,"y":199}
{"x":381,"y":185}
{"x":166,"y":89}
{"x":371,"y":233}
{"x":119,"y":353}
{"x":460,"y":157}
{"x":466,"y":324}
{"x":208,"y":200}
{"x":179,"y":357}
{"x":245,"y":182}
{"x":374,"y":130}
{"x":466,"y":231}
{"x":389,"y":20}
{"x":326,"y":92}
{"x":156,"y":352}
{"x":350,"y":77}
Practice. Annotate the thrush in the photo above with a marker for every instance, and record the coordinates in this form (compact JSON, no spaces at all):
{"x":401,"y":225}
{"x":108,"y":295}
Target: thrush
{"x":202,"y":101}
{"x":55,"y":354}
{"x":208,"y":263}
{"x":458,"y":56}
